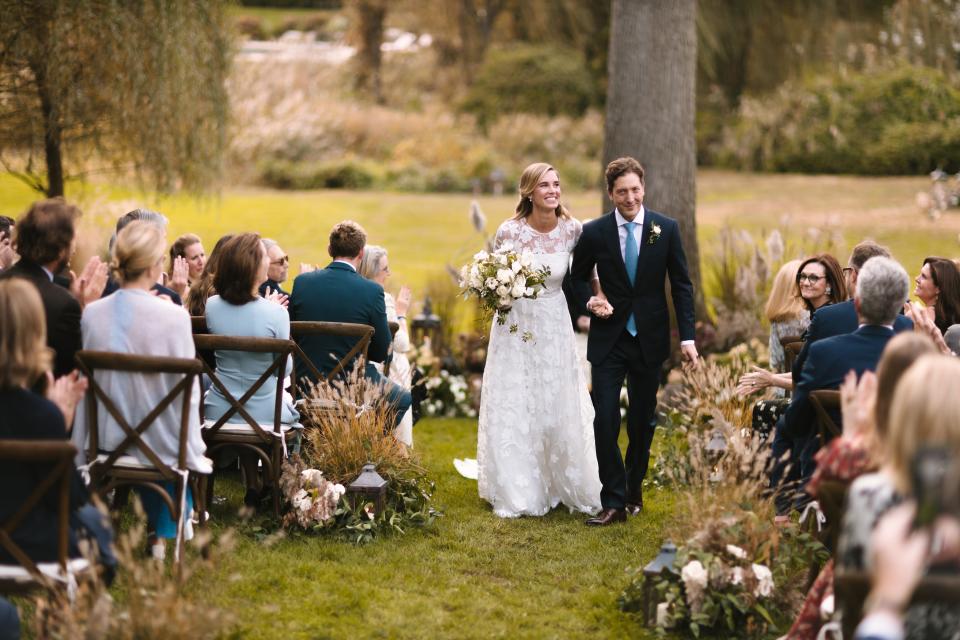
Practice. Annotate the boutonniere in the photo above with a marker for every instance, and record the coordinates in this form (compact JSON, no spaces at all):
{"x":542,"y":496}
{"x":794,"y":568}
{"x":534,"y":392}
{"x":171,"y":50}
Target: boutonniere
{"x":654,"y":233}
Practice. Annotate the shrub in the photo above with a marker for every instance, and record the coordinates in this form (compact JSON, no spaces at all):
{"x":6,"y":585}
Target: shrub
{"x":531,"y":79}
{"x":250,"y":27}
{"x":899,"y":121}
{"x":346,"y":174}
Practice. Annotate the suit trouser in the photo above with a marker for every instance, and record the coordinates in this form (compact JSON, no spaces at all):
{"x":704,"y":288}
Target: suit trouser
{"x":793,"y":463}
{"x":622,"y":478}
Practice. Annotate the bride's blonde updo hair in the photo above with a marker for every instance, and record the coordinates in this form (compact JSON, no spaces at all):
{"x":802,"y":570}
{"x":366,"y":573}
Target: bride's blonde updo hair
{"x":529,"y":180}
{"x":140,"y":246}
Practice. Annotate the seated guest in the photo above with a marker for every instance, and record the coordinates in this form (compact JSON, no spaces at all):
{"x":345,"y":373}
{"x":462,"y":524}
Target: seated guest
{"x":279,"y":268}
{"x":866,"y":411}
{"x":134,"y":321}
{"x":840,"y":318}
{"x":199,"y":294}
{"x":882,"y":288}
{"x":45,"y":242}
{"x":26,"y":415}
{"x":921,"y":416}
{"x":339,"y":294}
{"x":158,"y":219}
{"x":238,"y":310}
{"x":7,"y":255}
{"x":938,"y":287}
{"x":186,"y":251}
{"x":374,"y":266}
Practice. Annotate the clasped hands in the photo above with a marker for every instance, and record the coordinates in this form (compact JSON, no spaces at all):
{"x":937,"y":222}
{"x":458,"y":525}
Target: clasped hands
{"x":599,"y":306}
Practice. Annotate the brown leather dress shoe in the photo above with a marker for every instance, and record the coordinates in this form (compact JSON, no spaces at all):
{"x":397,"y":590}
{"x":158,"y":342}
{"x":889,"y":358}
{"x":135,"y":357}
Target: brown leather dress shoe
{"x":607,"y":516}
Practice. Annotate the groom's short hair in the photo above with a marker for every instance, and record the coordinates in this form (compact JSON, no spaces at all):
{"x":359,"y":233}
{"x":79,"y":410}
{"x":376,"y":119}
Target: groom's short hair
{"x":620,"y":167}
{"x":346,"y":240}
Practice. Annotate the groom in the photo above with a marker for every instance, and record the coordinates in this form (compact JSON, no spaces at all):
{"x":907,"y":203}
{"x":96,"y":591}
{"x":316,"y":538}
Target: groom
{"x":634,"y":250}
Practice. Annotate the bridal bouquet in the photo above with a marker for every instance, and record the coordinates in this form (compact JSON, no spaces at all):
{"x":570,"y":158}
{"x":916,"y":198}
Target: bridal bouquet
{"x":501,"y":278}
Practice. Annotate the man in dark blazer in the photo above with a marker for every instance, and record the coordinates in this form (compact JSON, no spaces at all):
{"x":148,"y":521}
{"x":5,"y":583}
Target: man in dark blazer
{"x":45,"y":241}
{"x":277,"y":271}
{"x":838,"y":319}
{"x":634,"y":251}
{"x":882,"y":288}
{"x":339,"y":294}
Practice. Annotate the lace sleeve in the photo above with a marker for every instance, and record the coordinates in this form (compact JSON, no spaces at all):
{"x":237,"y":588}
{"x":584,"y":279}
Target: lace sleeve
{"x":576,"y":229}
{"x":506,"y":232}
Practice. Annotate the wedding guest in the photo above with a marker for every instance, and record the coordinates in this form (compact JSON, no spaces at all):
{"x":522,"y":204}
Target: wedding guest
{"x":375,"y":266}
{"x":836,"y":319}
{"x":45,"y":239}
{"x":238,"y":310}
{"x":160,"y":220}
{"x":132,"y":320}
{"x":7,"y":254}
{"x":27,"y":415}
{"x":339,"y":294}
{"x":882,"y":288}
{"x":921,"y":416}
{"x":938,"y":287}
{"x":866,"y":411}
{"x":186,"y":254}
{"x":198,"y":295}
{"x":279,"y":268}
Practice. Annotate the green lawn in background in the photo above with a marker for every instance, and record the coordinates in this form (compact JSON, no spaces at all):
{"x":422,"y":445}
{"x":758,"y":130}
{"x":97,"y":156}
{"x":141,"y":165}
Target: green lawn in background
{"x":472,"y":576}
{"x":423,"y":232}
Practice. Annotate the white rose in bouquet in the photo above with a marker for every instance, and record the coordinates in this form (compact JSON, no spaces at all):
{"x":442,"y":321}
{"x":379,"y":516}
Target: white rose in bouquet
{"x":519,"y":289}
{"x":505,"y":275}
{"x":492,"y":284}
{"x":526,"y":258}
{"x":503,"y":290}
{"x":516,"y":266}
{"x":480,"y":256}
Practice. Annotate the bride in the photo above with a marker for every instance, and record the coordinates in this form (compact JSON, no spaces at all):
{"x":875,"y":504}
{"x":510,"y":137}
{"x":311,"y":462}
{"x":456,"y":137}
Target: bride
{"x":535,"y":442}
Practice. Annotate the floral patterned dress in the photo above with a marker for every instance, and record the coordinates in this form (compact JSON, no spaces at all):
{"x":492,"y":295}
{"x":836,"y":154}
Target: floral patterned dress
{"x":535,"y":442}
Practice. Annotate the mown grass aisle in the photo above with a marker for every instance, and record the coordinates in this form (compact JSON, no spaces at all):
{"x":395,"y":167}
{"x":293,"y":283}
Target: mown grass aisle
{"x":472,"y":576}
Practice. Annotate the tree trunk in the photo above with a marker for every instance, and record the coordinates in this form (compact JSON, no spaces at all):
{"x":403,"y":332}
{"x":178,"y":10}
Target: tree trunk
{"x":651,"y":110}
{"x":371,"y":14}
{"x":52,"y":136}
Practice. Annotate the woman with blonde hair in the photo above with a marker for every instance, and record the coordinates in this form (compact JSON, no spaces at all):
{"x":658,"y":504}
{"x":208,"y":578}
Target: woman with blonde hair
{"x":922,"y":418}
{"x":374,"y":266}
{"x":134,"y":321}
{"x":535,"y":441}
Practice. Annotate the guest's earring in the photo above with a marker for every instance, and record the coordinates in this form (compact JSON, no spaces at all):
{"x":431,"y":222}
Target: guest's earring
{"x":829,"y":290}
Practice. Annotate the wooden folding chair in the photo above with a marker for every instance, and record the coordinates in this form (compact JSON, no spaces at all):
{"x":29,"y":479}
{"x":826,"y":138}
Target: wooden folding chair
{"x":28,"y":575}
{"x":394,"y":327}
{"x":791,"y":349}
{"x":119,"y":467}
{"x":850,"y":590}
{"x":301,"y":329}
{"x":832,"y":497}
{"x":267,"y":441}
{"x":824,"y":401}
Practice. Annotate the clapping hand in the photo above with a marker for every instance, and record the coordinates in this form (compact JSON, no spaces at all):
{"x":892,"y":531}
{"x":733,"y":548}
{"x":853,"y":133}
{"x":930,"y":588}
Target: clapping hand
{"x":924,"y":322}
{"x":857,"y":402}
{"x":757,"y":380}
{"x":276,"y":297}
{"x":7,"y":254}
{"x":178,"y":277}
{"x":66,"y":392}
{"x":403,"y":300}
{"x":92,"y":281}
{"x":306,"y":267}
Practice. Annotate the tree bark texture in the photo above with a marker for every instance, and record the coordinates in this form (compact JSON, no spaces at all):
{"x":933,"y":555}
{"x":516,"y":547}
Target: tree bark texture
{"x":651,"y":109}
{"x":371,"y":15}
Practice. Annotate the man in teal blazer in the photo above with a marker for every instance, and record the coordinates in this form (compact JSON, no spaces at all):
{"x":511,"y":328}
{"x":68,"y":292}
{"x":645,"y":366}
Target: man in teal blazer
{"x":340,"y":294}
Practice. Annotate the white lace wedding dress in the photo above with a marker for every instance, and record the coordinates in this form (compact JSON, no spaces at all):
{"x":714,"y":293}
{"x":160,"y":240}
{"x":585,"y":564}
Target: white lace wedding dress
{"x":535,"y":443}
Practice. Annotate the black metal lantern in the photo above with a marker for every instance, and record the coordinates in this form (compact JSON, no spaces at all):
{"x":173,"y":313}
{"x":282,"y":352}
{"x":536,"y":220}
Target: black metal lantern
{"x":716,"y":449}
{"x":426,"y":323}
{"x":663,"y":562}
{"x":368,"y":487}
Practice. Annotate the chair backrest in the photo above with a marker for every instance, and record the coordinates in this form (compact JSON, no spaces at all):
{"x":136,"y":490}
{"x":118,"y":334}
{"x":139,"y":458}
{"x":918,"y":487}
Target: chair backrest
{"x":832,"y":496}
{"x":282,"y":349}
{"x":826,"y":404}
{"x":58,"y":454}
{"x":198,"y":324}
{"x":90,"y":362}
{"x":791,"y":349}
{"x":363,"y":333}
{"x":851,"y":588}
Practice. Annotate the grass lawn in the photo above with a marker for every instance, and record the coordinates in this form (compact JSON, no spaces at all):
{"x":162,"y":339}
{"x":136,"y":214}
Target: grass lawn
{"x":472,"y":576}
{"x":425,"y":231}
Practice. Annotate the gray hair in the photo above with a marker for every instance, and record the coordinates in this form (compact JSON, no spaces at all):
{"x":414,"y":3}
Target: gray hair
{"x":147,"y":215}
{"x":370,"y":264}
{"x":882,"y":288}
{"x":952,"y":338}
{"x":269,"y":244}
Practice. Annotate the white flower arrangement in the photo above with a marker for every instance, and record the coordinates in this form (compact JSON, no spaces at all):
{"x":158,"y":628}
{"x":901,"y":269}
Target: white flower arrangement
{"x":314,"y":498}
{"x":501,"y":278}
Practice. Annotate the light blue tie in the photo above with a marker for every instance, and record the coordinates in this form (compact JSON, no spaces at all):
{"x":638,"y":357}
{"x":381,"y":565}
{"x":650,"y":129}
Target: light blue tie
{"x":630,"y":255}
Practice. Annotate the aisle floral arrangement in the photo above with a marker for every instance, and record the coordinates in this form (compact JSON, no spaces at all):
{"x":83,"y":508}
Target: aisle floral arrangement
{"x":501,"y":278}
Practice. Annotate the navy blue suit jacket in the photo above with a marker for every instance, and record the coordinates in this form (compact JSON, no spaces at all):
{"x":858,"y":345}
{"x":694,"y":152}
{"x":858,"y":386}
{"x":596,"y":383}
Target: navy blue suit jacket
{"x":600,"y":245}
{"x":834,"y":320}
{"x":827,"y":364}
{"x":339,"y":294}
